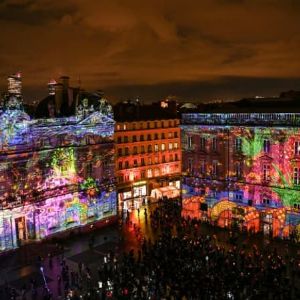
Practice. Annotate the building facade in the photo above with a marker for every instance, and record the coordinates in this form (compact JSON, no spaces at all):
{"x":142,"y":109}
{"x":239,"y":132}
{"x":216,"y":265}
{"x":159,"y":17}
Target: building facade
{"x":148,"y":157}
{"x":55,"y":174}
{"x":243,"y":169}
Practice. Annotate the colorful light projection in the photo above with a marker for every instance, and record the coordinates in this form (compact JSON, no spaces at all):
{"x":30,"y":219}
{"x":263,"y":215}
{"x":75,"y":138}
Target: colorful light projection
{"x":55,"y":174}
{"x":252,"y":164}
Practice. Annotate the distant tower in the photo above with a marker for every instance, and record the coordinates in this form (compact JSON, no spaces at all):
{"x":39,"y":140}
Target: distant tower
{"x":15,"y":84}
{"x":51,"y":87}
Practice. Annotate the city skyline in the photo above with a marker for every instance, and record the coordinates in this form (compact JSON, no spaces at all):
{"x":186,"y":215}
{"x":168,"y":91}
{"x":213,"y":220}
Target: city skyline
{"x":215,"y":49}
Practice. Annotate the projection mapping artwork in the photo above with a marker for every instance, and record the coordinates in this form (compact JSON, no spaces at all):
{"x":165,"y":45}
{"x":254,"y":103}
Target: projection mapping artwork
{"x":236,"y":166}
{"x":55,"y":174}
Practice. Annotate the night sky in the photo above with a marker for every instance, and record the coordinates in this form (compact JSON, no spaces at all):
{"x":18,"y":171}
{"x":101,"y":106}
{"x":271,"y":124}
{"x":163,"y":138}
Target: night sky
{"x":196,"y":50}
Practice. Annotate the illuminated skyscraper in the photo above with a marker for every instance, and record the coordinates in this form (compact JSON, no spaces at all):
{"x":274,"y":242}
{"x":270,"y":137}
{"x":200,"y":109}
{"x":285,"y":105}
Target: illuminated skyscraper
{"x":15,"y":84}
{"x":51,"y":87}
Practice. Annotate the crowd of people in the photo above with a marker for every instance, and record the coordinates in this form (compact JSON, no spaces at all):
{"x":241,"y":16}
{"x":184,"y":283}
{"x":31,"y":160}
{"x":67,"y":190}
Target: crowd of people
{"x":180,"y":262}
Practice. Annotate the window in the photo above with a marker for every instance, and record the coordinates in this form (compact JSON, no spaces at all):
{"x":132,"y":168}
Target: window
{"x":124,"y":126}
{"x":120,"y":179}
{"x":149,"y":148}
{"x":176,"y":156}
{"x":202,"y":167}
{"x":162,"y":124}
{"x":170,"y":124}
{"x":215,"y":168}
{"x":156,"y":159}
{"x":156,"y":136}
{"x":296,"y":178}
{"x":155,"y":124}
{"x":148,"y":125}
{"x":141,"y":125}
{"x":142,"y":161}
{"x":266,"y":146}
{"x":118,"y":127}
{"x":143,"y":174}
{"x":190,"y":165}
{"x":238,"y":145}
{"x":126,"y":151}
{"x":171,"y":157}
{"x":163,"y":136}
{"x":119,"y":140}
{"x":149,"y":161}
{"x":175,"y":145}
{"x":126,"y":164}
{"x":141,"y":138}
{"x":214,"y":144}
{"x":149,"y":137}
{"x":135,"y":150}
{"x":297,"y":148}
{"x":135,"y":163}
{"x":134,"y":138}
{"x":133,"y":126}
{"x":120,"y":165}
{"x":142,"y":149}
{"x":163,"y":147}
{"x":170,"y":135}
{"x":155,"y":147}
{"x":163,"y":158}
{"x":170,"y":146}
{"x":120,"y":152}
{"x":190,"y":142}
{"x":202,"y":143}
{"x":266,"y":172}
{"x":175,"y":134}
{"x":149,"y":173}
{"x":125,"y":139}
{"x":238,"y":169}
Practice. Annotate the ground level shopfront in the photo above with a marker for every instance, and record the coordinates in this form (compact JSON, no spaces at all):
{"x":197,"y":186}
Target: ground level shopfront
{"x":134,"y":195}
{"x":40,"y":220}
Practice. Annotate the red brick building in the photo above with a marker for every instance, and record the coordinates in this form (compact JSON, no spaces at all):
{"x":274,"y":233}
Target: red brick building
{"x":148,"y":160}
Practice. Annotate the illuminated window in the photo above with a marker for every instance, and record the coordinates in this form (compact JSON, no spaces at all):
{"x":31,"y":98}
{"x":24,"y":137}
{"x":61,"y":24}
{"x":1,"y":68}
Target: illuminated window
{"x":149,"y":173}
{"x":297,"y":148}
{"x":135,"y":150}
{"x":266,"y":172}
{"x":238,"y":144}
{"x":267,"y":146}
{"x":163,"y":147}
{"x":118,"y":127}
{"x":203,"y":143}
{"x":149,"y":148}
{"x":296,"y":178}
{"x":215,"y":168}
{"x":170,"y":135}
{"x":190,"y":142}
{"x":155,"y":147}
{"x":175,"y":145}
{"x":124,"y":127}
{"x":214,"y":144}
{"x":170,"y":146}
